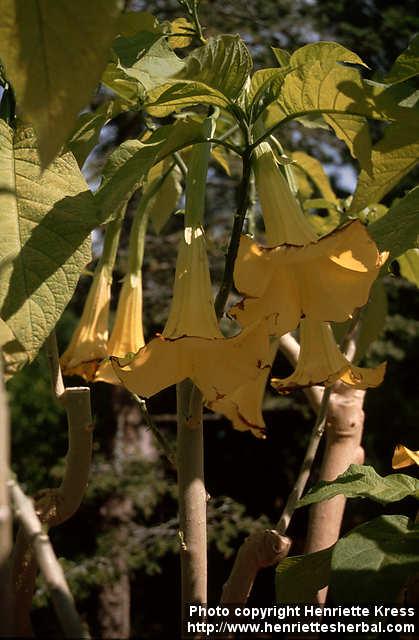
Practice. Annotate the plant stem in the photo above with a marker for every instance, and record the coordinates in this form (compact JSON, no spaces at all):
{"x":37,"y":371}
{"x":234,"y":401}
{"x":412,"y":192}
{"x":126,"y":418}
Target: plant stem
{"x":305,"y":469}
{"x":163,"y":442}
{"x":6,"y":599}
{"x":242,"y":206}
{"x":192,"y":495}
{"x":48,"y":563}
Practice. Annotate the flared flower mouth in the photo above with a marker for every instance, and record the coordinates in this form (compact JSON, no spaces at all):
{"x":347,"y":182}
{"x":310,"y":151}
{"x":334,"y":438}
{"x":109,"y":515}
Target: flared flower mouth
{"x":324,"y":281}
{"x":243,"y":407}
{"x":88,"y":345}
{"x":216,"y":366}
{"x":404,"y":457}
{"x":285,"y":222}
{"x":127,"y":335}
{"x":322,"y":362}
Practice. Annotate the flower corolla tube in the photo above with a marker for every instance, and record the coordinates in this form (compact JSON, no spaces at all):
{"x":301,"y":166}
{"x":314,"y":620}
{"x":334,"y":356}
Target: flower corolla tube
{"x":127,"y":335}
{"x":322,"y":362}
{"x":88,"y":345}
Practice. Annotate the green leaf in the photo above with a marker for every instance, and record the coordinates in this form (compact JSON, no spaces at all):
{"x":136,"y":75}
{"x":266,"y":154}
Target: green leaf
{"x":392,"y":158}
{"x":6,"y":334}
{"x":406,"y":65}
{"x":129,"y":89}
{"x":398,"y":230}
{"x":299,"y":578}
{"x":54,"y":54}
{"x":374,"y":561}
{"x":372,"y":320}
{"x":264,"y":88}
{"x":282,"y":56}
{"x":128,"y":167}
{"x":163,"y":204}
{"x":175,"y":95}
{"x":132,"y":22}
{"x":213,"y":74}
{"x":46,"y":220}
{"x":361,"y":481}
{"x":355,"y":133}
{"x":409,"y":265}
{"x":155,"y":64}
{"x":314,"y":170}
{"x":224,"y":64}
{"x":87,"y":131}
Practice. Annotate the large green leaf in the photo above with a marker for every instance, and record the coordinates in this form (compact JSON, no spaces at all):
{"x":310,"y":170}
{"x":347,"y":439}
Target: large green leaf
{"x":392,"y":158}
{"x":354,"y":132}
{"x":213,"y":74}
{"x":154,"y":65}
{"x":361,"y":481}
{"x":54,"y":54}
{"x":224,"y":64}
{"x":372,"y":319}
{"x":398,"y":230}
{"x":299,"y":578}
{"x":175,"y":95}
{"x":129,"y":165}
{"x":409,"y":265}
{"x":407,"y":64}
{"x":374,"y":561}
{"x":46,"y":219}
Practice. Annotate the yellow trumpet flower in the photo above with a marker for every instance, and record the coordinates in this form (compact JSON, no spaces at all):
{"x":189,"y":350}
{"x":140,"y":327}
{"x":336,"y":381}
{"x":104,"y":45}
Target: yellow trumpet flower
{"x":127,"y":334}
{"x":404,"y":457}
{"x":324,"y":281}
{"x":192,"y":345}
{"x":285,"y":222}
{"x":321,"y":362}
{"x":88,"y":345}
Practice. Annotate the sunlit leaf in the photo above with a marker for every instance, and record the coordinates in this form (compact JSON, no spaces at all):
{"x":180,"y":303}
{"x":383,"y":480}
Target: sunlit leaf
{"x":374,"y":561}
{"x":54,"y":54}
{"x":213,"y":74}
{"x":409,"y":265}
{"x":362,"y":481}
{"x":177,"y":27}
{"x":355,"y":133}
{"x":132,"y":22}
{"x":398,"y":230}
{"x":224,"y":64}
{"x":175,"y":95}
{"x":129,"y":89}
{"x":155,"y":63}
{"x":392,"y":158}
{"x":45,"y":241}
{"x":407,"y":64}
{"x":282,"y":56}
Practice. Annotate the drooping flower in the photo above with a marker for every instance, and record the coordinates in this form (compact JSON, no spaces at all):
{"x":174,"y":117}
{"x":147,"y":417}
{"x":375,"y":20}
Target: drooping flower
{"x":191,"y":345}
{"x":127,"y":334}
{"x":404,"y":457}
{"x":324,"y":280}
{"x":322,"y":362}
{"x":88,"y":345}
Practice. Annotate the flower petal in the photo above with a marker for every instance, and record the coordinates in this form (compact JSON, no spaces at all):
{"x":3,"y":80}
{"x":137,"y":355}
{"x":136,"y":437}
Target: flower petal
{"x":324,"y":281}
{"x":404,"y":457}
{"x":321,"y":362}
